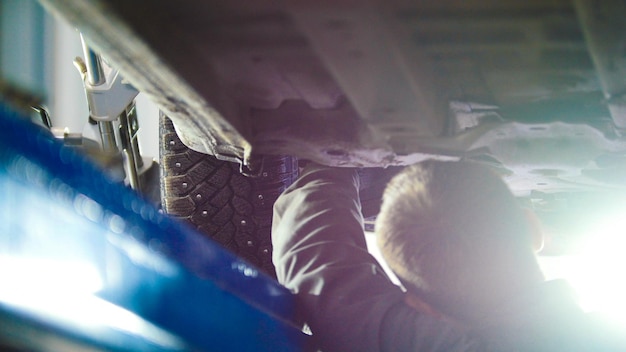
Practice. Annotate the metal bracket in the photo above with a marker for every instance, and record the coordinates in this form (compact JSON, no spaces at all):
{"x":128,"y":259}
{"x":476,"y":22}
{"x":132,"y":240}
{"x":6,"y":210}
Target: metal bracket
{"x":133,"y":162}
{"x":43,"y":115}
{"x":108,"y":94}
{"x":109,"y":100}
{"x":254,"y":168}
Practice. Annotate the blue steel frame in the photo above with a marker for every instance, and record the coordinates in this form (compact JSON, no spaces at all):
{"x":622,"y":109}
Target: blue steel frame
{"x":188,"y":291}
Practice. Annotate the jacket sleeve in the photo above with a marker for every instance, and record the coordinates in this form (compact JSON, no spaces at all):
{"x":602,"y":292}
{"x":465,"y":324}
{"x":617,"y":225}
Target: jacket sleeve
{"x":342,"y":291}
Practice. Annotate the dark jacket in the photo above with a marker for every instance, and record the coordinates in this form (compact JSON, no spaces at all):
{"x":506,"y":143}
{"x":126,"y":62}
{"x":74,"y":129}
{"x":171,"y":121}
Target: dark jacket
{"x":351,"y":305}
{"x":346,"y":298}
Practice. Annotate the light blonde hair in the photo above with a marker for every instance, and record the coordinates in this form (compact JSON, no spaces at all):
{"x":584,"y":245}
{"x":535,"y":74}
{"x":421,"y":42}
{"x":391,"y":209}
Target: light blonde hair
{"x":454,"y":234}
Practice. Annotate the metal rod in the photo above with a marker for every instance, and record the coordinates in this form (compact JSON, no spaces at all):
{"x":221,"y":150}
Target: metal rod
{"x":107,"y":134}
{"x":131,"y":162}
{"x":95,"y":76}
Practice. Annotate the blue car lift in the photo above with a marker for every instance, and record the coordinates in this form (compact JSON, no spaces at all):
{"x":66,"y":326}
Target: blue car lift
{"x":87,"y":263}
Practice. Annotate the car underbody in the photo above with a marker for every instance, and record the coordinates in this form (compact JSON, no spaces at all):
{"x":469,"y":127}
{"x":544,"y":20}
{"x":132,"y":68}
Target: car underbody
{"x":532,"y":88}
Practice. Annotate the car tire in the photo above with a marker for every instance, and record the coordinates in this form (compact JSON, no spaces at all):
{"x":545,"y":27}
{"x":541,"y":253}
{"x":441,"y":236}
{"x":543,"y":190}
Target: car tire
{"x":217,"y":199}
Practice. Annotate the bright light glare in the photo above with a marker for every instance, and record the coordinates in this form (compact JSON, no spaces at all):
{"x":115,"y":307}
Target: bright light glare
{"x":372,"y":248}
{"x":29,"y":274}
{"x":89,"y":313}
{"x":596,"y":271}
{"x":63,"y":291}
{"x":46,"y":286}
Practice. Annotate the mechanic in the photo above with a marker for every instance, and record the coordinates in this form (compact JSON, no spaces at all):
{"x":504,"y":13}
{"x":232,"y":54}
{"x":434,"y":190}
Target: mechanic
{"x":461,"y":246}
{"x":346,"y":298}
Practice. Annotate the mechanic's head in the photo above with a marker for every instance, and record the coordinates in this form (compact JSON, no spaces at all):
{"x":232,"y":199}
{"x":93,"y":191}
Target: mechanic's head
{"x":456,"y":237}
